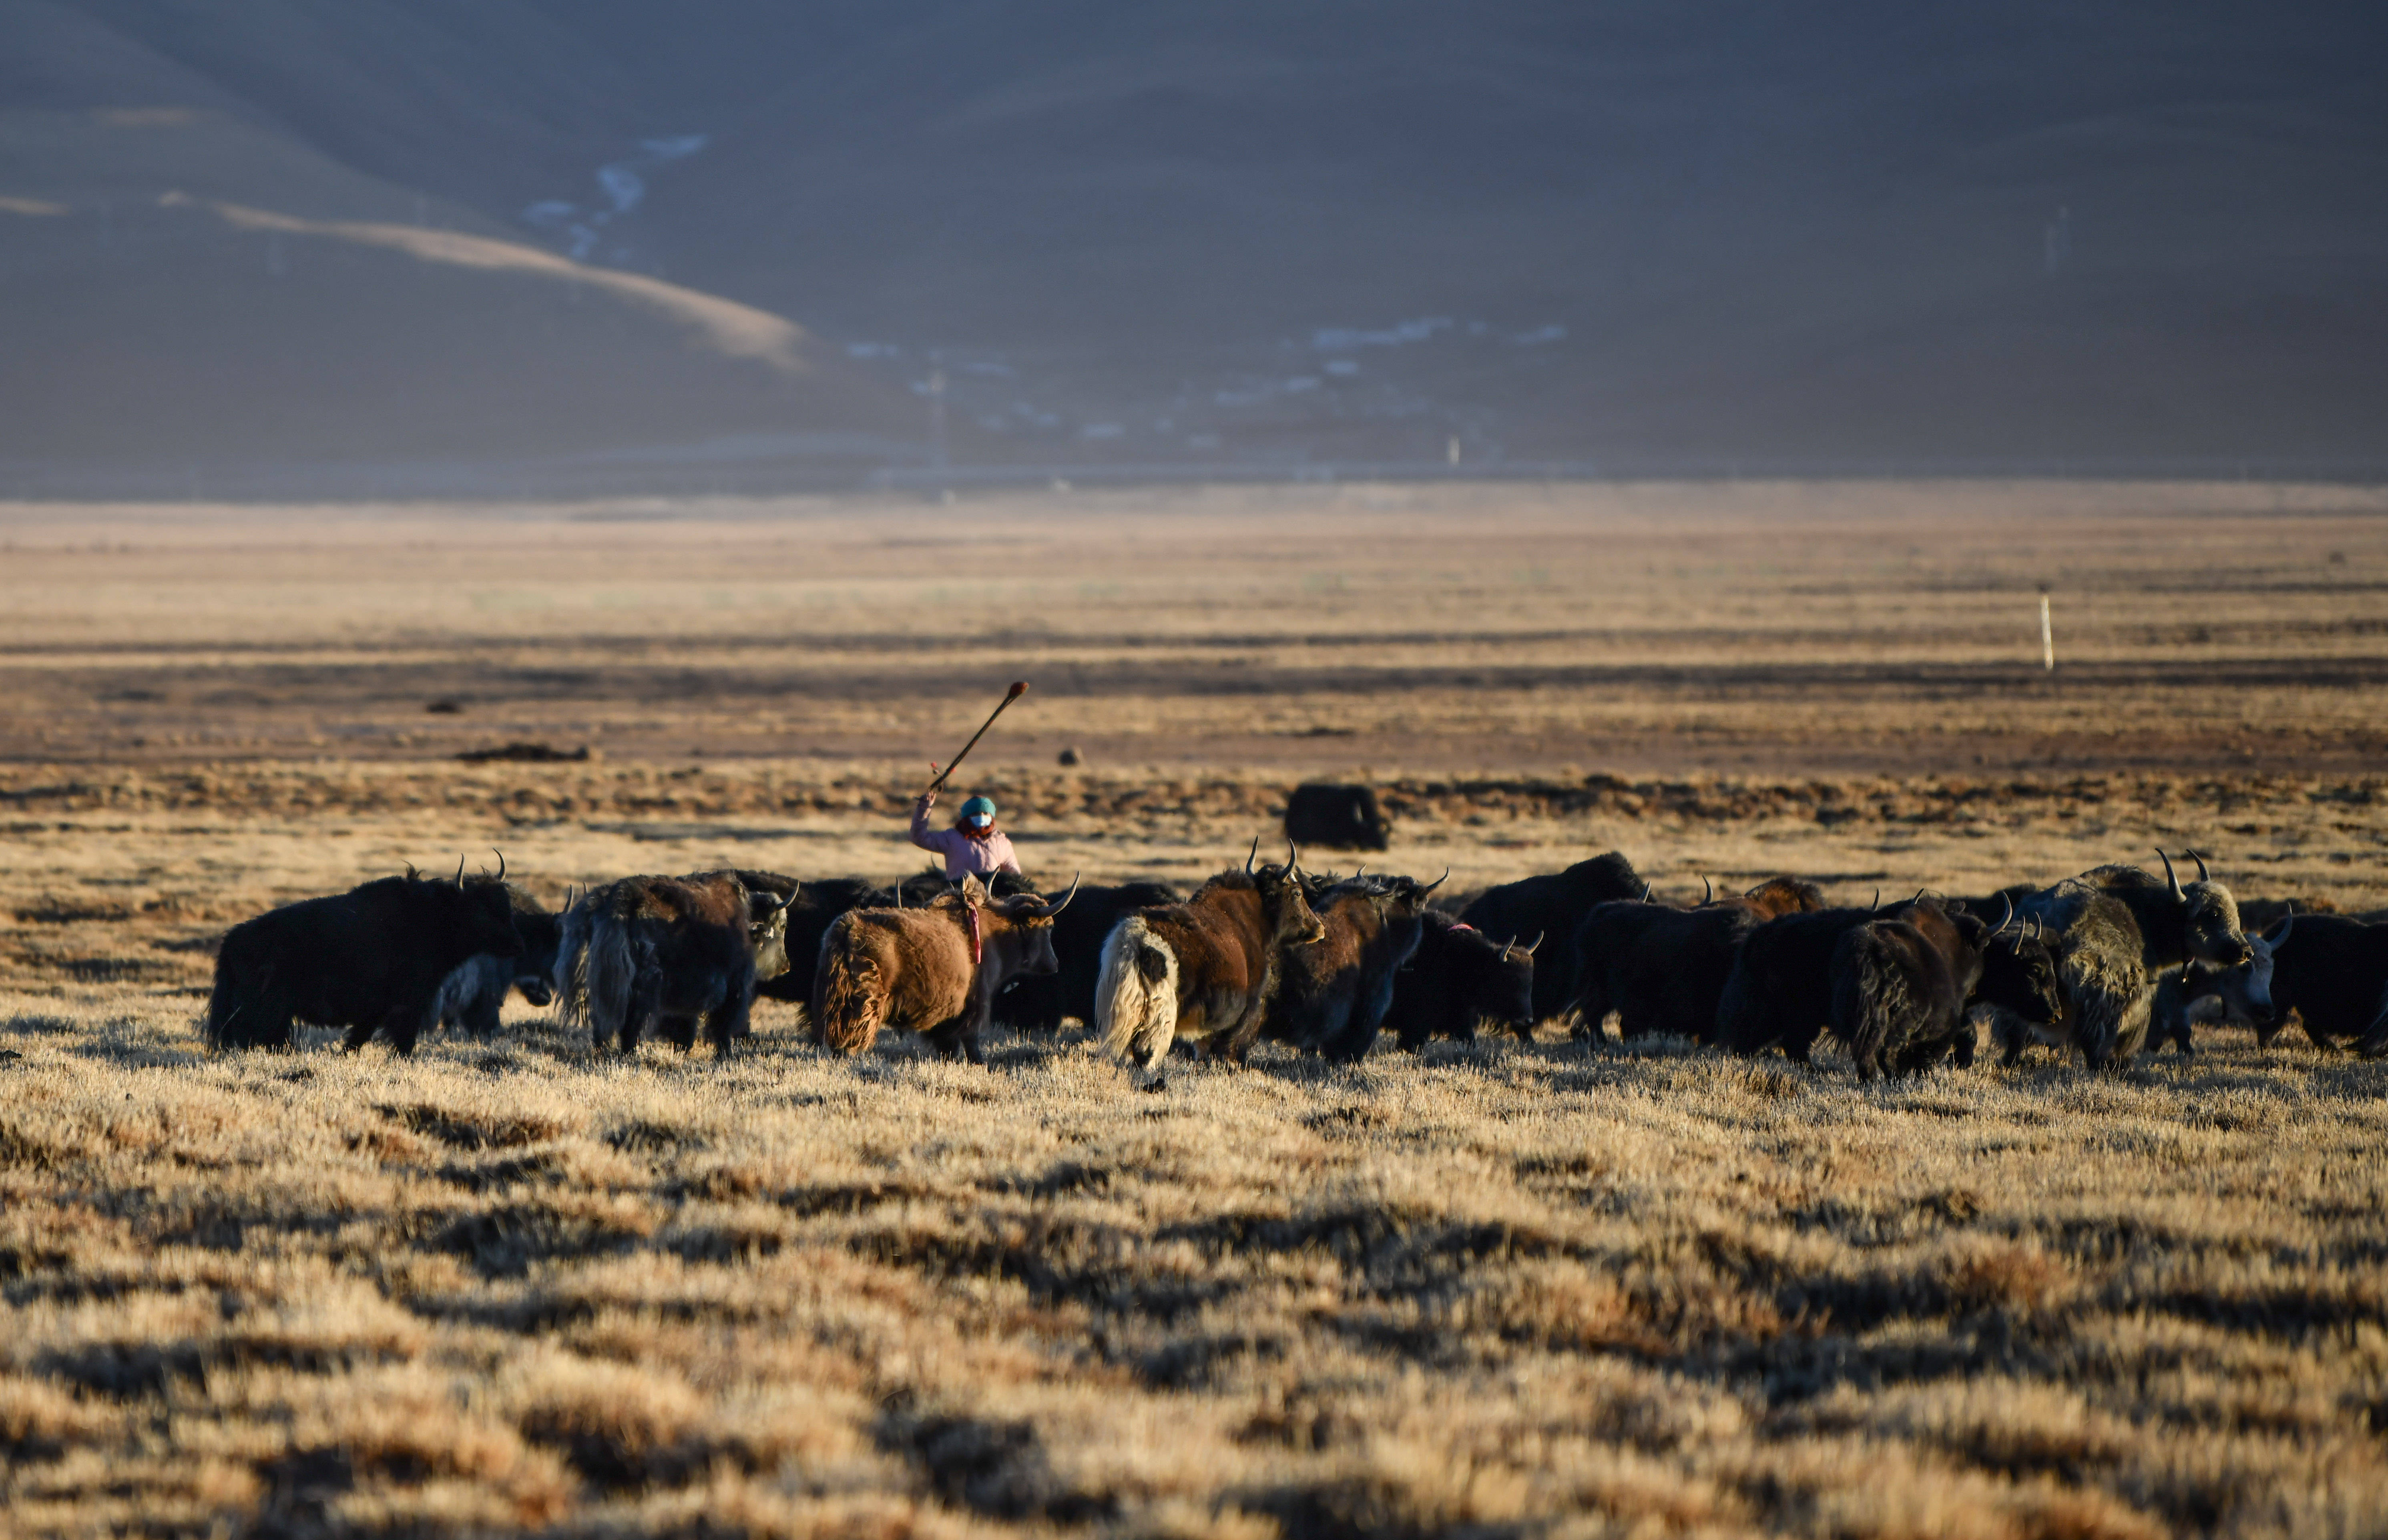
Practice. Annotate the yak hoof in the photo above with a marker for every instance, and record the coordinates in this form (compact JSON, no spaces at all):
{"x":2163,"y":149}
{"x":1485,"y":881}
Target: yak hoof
{"x":1157,"y":1084}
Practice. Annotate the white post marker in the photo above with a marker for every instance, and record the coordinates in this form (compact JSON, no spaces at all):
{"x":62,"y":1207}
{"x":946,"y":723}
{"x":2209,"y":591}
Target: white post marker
{"x":2047,"y":638}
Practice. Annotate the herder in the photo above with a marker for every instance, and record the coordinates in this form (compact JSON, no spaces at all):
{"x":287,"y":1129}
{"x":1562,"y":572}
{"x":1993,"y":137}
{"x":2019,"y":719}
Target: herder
{"x":973,"y":847}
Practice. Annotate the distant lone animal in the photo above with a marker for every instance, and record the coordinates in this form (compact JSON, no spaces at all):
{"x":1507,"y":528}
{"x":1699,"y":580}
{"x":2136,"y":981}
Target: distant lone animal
{"x":1039,"y":1003}
{"x":935,"y":970}
{"x":1335,"y":992}
{"x":1339,"y":817}
{"x":471,"y":996}
{"x":670,"y":953}
{"x":1459,"y":978}
{"x":1662,"y":969}
{"x":2114,"y":929}
{"x":1206,"y":969}
{"x":1552,"y":906}
{"x":371,"y":960}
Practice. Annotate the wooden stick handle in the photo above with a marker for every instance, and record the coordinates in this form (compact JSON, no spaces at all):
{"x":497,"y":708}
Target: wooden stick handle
{"x":1018,"y":690}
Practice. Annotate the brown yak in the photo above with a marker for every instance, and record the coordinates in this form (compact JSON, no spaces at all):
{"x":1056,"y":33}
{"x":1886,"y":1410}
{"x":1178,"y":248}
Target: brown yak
{"x":935,"y":969}
{"x":1204,"y":970}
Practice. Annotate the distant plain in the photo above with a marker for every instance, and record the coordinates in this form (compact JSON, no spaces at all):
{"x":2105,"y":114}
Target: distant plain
{"x":1539,"y":1288}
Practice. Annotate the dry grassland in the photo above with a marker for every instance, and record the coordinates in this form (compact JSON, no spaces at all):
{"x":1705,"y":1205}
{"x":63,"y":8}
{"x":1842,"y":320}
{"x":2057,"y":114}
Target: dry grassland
{"x":1502,"y":1289}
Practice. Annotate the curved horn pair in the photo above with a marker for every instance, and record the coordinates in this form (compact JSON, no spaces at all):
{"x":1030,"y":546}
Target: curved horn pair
{"x":2171,"y":881}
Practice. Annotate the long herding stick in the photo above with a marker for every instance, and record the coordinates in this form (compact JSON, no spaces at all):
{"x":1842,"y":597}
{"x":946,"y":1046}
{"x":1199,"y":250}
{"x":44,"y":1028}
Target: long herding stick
{"x":1019,"y":688}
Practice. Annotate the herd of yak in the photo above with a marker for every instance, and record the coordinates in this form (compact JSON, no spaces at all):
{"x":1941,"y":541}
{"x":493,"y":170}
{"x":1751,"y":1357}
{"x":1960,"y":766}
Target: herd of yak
{"x":2109,"y":963}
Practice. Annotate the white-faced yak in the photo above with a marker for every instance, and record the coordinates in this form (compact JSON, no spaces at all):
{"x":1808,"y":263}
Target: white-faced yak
{"x":370,"y":960}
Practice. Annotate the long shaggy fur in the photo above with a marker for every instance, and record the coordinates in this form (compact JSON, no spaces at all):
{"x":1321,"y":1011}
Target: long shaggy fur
{"x":852,"y":997}
{"x":1874,"y":1010}
{"x":610,"y":969}
{"x":1135,"y":995}
{"x":572,"y":963}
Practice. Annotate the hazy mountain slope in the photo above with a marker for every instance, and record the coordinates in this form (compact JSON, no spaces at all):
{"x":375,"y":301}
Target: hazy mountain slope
{"x":1654,"y":234}
{"x":189,"y":286}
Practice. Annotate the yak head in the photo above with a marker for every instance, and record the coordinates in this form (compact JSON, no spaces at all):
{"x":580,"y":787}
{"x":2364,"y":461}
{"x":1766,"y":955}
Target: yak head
{"x":1293,"y":922}
{"x":2019,"y":970}
{"x":482,"y":910}
{"x":1505,"y":987}
{"x":2209,"y":917}
{"x":767,"y":933}
{"x":2247,"y":990}
{"x":1028,"y":917}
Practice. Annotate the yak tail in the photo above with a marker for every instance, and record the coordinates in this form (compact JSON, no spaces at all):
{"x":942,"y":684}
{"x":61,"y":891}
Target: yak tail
{"x":1874,"y":1009}
{"x":1135,"y":995}
{"x":849,"y":997}
{"x":572,"y":965}
{"x":606,"y":972}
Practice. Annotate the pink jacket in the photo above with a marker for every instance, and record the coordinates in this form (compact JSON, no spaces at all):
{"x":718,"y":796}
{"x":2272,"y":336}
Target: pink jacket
{"x":964,"y":856}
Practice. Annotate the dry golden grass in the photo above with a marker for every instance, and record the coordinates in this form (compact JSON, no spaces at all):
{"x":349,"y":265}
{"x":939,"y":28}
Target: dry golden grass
{"x":1506,"y":1289}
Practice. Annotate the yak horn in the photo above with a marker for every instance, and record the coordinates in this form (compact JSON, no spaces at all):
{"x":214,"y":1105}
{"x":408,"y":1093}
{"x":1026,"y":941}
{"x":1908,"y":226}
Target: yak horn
{"x":2201,"y":867}
{"x":899,"y":892}
{"x":2288,"y":923}
{"x":501,"y":861}
{"x":1438,"y":882}
{"x":2171,"y":881}
{"x":2006,"y":919}
{"x":1292,"y":857}
{"x":1646,"y":894}
{"x":1505,"y":946}
{"x":1252,"y":855}
{"x":1538,"y":941}
{"x":1708,"y":891}
{"x":1053,"y":909}
{"x":1876,"y":905}
{"x":460,"y":872}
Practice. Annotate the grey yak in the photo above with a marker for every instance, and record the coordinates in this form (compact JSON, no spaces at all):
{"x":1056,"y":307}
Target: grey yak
{"x":673,"y":953}
{"x":2114,"y":931}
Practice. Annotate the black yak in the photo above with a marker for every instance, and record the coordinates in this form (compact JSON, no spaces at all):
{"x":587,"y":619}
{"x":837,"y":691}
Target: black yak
{"x":370,"y":960}
{"x":1903,"y":985}
{"x":1335,"y":992}
{"x":673,"y":951}
{"x":1662,"y":969}
{"x":1554,"y":905}
{"x":1457,"y":978}
{"x":1206,"y":969}
{"x":1039,"y":1003}
{"x":1780,"y":991}
{"x":935,"y":969}
{"x":1340,"y":817}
